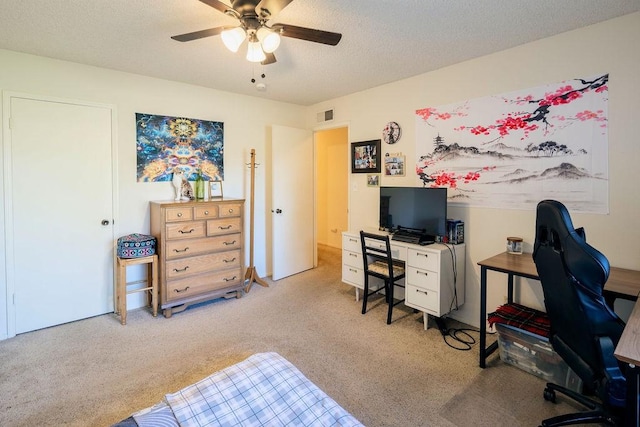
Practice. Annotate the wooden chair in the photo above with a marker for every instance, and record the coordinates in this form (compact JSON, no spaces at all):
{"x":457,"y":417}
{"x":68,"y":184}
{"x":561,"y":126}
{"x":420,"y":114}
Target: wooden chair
{"x":379,"y":263}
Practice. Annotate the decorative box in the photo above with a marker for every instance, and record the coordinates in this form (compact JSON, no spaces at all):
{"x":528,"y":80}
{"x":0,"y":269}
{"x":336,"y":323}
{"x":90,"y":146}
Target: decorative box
{"x":136,"y":246}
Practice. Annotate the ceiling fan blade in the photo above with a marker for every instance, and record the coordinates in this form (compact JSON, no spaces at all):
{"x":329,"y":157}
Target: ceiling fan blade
{"x":271,"y":58}
{"x":218,"y":5}
{"x":272,"y":7}
{"x":198,"y":34}
{"x":309,"y":34}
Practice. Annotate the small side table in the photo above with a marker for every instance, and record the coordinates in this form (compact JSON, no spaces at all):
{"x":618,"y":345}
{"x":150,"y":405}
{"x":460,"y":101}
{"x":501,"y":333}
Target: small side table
{"x":121,"y":284}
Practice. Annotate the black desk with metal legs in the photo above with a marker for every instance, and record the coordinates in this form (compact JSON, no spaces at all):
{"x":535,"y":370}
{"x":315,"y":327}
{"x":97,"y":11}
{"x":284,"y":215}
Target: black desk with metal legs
{"x":512,"y":265}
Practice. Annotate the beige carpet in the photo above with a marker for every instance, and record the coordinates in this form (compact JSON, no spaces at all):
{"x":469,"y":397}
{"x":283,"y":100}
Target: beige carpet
{"x":96,"y":372}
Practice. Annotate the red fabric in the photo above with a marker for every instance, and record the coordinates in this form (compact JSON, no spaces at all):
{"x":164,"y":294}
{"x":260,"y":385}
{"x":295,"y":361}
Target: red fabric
{"x":520,"y":316}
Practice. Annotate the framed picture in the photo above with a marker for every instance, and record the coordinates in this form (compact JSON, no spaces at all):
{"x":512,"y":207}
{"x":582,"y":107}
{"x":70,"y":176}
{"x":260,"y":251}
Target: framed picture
{"x":215,"y":189}
{"x":365,"y":157}
{"x":394,"y":165}
{"x":373,"y":180}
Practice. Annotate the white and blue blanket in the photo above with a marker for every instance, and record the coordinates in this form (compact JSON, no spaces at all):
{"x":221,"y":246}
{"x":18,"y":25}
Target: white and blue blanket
{"x":263,"y":390}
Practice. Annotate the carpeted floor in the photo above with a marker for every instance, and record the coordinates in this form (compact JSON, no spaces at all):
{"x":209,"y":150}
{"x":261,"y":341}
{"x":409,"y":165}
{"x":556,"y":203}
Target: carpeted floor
{"x":96,"y":372}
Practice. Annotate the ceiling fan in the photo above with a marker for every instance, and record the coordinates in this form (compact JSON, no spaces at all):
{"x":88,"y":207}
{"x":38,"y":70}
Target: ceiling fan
{"x":263,"y":39}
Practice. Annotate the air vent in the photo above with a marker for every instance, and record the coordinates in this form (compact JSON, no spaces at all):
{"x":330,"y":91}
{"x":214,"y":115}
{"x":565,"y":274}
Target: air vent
{"x":324,"y":116}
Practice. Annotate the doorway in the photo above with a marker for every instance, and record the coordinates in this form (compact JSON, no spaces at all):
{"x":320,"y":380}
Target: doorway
{"x":332,"y":185}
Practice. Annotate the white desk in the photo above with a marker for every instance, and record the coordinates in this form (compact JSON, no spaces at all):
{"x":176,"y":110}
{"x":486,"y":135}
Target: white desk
{"x":434,"y":282}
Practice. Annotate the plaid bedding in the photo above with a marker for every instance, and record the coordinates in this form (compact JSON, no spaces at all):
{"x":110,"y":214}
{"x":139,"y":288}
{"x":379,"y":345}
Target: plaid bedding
{"x":522,"y":317}
{"x":263,"y":390}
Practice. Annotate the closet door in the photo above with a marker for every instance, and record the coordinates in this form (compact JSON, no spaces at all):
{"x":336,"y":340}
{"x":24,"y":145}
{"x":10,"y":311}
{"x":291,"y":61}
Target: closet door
{"x":60,"y":226}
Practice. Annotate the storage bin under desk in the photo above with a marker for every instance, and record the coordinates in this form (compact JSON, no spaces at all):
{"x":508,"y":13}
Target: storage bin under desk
{"x":534,"y":354}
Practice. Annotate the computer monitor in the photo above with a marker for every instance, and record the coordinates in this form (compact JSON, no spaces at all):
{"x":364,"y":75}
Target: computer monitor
{"x":416,"y":208}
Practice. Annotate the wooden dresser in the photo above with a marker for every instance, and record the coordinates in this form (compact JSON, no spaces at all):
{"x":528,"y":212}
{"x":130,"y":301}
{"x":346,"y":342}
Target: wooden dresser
{"x":200,"y":251}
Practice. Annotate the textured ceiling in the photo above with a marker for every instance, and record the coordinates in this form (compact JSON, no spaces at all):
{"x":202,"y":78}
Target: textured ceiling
{"x":383,"y":41}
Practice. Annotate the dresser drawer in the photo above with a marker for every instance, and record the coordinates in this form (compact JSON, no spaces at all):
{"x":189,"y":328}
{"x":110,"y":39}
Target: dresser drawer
{"x":202,"y":264}
{"x":194,"y":286}
{"x":353,"y":259}
{"x":178,"y":214}
{"x":423,"y":278}
{"x":184,"y":248}
{"x":206,"y":212}
{"x":223,"y":226}
{"x":185,"y":230}
{"x":424,"y":259}
{"x":229,"y":210}
{"x":422,"y":299}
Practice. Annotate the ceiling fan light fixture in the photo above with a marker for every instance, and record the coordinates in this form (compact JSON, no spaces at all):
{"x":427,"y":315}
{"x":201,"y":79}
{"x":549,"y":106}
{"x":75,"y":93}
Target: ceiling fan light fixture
{"x":233,"y":38}
{"x":270,"y":39}
{"x":255,"y":52}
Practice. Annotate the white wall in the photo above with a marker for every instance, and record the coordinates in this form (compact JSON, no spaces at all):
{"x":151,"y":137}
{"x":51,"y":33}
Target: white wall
{"x":246,"y":125}
{"x":612,"y":47}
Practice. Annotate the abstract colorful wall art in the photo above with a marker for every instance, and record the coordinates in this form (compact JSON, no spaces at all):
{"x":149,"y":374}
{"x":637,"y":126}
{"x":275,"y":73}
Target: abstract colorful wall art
{"x":515,"y":149}
{"x":164,"y":143}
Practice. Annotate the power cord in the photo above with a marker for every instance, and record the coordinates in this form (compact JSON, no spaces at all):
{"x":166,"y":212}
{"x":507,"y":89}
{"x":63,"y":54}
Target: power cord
{"x":460,"y":337}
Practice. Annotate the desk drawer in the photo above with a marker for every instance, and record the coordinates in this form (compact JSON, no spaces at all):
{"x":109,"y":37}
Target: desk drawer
{"x":351,"y":243}
{"x":424,"y":259}
{"x":423,"y":278}
{"x":185,"y":230}
{"x":353,"y":259}
{"x":423,"y":299}
{"x":353,"y":276}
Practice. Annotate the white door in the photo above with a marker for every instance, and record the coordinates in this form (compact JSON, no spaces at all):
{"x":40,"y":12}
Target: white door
{"x":293,"y":201}
{"x":62,"y":215}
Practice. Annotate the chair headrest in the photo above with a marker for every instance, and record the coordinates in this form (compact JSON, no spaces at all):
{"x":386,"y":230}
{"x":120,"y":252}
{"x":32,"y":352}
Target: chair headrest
{"x":554,"y":230}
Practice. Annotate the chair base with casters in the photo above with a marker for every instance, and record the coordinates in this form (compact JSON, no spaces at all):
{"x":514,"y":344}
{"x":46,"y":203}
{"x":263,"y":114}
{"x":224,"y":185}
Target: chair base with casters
{"x":596,"y":411}
{"x":379,"y":263}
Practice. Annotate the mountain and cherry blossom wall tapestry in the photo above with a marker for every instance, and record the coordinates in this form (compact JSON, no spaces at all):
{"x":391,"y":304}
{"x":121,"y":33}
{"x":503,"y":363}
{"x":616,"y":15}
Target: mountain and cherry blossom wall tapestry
{"x":515,"y":149}
{"x":164,"y":143}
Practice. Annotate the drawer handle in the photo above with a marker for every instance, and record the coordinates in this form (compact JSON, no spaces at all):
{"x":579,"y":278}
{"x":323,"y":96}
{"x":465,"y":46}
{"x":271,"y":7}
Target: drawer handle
{"x":352,"y":270}
{"x":183,"y":250}
{"x":229,"y":243}
{"x":353,"y":255}
{"x":186,"y":232}
{"x":425,"y":255}
{"x":422,"y":272}
{"x":206,"y":212}
{"x":225,"y":228}
{"x":180,"y":270}
{"x":230,"y":280}
{"x":422,"y":292}
{"x":179,"y":215}
{"x":229,"y":260}
{"x":353,"y":240}
{"x":230,"y":210}
{"x":180,"y":290}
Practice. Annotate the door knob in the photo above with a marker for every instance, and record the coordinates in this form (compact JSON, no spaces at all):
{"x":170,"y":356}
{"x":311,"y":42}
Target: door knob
{"x":105,"y":222}
{"x":278,"y":210}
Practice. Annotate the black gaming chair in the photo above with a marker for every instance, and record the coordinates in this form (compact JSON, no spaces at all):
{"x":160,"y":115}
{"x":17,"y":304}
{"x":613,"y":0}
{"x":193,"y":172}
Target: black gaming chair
{"x":584,"y":330}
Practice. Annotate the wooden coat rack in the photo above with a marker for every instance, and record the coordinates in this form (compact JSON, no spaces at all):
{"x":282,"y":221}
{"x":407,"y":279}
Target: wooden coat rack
{"x":252,"y":274}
